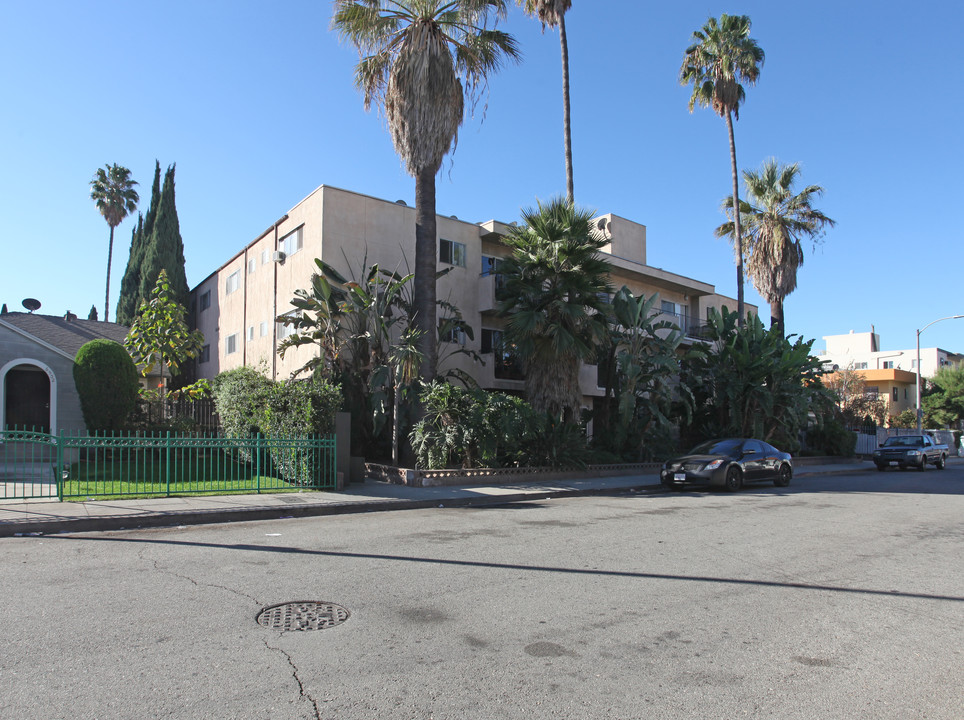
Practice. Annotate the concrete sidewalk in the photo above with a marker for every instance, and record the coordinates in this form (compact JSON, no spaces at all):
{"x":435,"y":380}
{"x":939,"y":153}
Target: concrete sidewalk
{"x":19,"y":517}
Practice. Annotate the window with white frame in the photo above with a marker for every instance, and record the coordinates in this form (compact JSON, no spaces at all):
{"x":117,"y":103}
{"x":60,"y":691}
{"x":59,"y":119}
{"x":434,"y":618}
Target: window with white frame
{"x":888,"y":365}
{"x":454,"y":335}
{"x":251,"y":333}
{"x":233,"y":282}
{"x":231,"y":344}
{"x":263,"y":328}
{"x":252,"y":265}
{"x":860,"y":366}
{"x":286,"y":330}
{"x":291,"y":243}
{"x":451,"y":253}
{"x":265,"y":256}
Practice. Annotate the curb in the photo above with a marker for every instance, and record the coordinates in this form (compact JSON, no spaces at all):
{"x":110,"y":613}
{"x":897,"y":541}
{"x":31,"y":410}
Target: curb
{"x":210,"y":517}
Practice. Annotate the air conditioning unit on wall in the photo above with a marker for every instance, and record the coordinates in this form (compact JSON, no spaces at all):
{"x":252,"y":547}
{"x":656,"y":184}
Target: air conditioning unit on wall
{"x":279,"y":256}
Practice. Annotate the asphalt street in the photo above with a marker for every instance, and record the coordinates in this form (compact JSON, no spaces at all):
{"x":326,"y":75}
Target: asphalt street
{"x":841,"y":596}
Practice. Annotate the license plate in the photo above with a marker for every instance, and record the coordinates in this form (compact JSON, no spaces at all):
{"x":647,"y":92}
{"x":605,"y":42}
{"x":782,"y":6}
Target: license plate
{"x":679,"y":477}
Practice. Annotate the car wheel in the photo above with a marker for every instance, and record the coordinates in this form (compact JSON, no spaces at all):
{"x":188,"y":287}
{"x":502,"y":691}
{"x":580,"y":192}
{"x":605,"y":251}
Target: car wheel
{"x":783,"y":479}
{"x":881,"y":468}
{"x":734,"y":479}
{"x":941,"y":463}
{"x":923,"y":463}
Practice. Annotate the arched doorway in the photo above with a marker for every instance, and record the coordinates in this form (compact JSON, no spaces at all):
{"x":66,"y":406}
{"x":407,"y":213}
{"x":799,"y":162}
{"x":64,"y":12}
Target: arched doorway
{"x":27,"y":395}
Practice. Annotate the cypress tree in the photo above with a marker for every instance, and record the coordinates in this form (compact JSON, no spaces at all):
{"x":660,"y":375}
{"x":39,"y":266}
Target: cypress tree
{"x":131,"y":296}
{"x":163,"y":248}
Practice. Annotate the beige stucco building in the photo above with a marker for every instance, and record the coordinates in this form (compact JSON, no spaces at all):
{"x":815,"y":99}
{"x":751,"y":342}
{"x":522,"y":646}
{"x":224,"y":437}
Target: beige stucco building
{"x":235,"y":306}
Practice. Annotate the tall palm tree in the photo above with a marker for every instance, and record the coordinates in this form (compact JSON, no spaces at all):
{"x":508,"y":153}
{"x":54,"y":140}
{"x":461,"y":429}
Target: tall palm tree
{"x":722,"y":56}
{"x":554,"y":301}
{"x":776,"y":220}
{"x":418,"y":60}
{"x":553,"y":13}
{"x":112,"y":190}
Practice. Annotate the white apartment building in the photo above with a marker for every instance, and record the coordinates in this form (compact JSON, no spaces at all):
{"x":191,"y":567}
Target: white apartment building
{"x":236,"y":305}
{"x":863,"y":351}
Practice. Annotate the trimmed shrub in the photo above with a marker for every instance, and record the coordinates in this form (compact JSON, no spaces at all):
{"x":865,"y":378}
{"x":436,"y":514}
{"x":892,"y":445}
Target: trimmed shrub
{"x":296,"y":409}
{"x":239,"y":397}
{"x":107,"y":383}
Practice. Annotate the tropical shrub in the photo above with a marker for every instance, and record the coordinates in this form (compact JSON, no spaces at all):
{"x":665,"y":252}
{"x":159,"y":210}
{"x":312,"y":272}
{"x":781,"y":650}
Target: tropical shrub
{"x":752,"y":382}
{"x":470,"y":427}
{"x":106,"y":380}
{"x":240,"y":397}
{"x":832,"y":437}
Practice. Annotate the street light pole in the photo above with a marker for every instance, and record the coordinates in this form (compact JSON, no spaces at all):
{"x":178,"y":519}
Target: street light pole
{"x":949,"y":317}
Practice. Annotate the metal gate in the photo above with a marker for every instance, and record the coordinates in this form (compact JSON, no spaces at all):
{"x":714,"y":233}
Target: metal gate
{"x":28,"y":465}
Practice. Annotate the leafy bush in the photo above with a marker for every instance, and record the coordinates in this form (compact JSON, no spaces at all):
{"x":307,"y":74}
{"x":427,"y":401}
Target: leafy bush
{"x":299,"y":409}
{"x":832,"y":438}
{"x":476,"y":428}
{"x":106,"y":380}
{"x":239,"y":397}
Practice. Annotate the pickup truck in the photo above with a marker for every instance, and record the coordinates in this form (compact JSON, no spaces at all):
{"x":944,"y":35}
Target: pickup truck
{"x":906,"y":451}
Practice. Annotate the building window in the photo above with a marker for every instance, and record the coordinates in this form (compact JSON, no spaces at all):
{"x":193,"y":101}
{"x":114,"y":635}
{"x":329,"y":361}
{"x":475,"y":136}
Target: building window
{"x":263,"y":328}
{"x":252,"y":264}
{"x":860,"y":366}
{"x":285,"y":330}
{"x":251,"y":333}
{"x":233,"y":282}
{"x":291,"y":243}
{"x":493,"y":266}
{"x":205,"y":300}
{"x":454,"y":335}
{"x":451,"y":253}
{"x":888,"y":364}
{"x":895,"y":395}
{"x":231,"y":344}
{"x":905,"y":393}
{"x":265,"y":256}
{"x":872,"y":391}
{"x":506,"y":365}
{"x":205,"y":354}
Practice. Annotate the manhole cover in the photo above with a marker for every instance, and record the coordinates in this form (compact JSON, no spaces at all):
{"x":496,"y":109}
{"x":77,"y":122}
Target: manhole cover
{"x":303,"y":615}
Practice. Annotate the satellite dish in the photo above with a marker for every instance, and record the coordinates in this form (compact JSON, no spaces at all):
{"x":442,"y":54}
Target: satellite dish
{"x":31,"y":304}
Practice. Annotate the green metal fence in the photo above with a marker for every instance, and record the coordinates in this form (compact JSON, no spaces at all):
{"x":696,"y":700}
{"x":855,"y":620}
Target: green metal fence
{"x":78,"y":466}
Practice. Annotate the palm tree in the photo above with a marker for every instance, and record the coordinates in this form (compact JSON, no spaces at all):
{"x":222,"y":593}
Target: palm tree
{"x":418,"y":60}
{"x":553,"y":13}
{"x":112,"y":190}
{"x":554,"y":301}
{"x":721,"y":57}
{"x":776,"y":219}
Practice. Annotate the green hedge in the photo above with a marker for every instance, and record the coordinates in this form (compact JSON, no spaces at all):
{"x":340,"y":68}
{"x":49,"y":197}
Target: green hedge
{"x":107,"y":383}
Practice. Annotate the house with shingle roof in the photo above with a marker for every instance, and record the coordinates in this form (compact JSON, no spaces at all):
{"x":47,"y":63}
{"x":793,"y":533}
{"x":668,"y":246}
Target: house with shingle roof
{"x":36,"y":368}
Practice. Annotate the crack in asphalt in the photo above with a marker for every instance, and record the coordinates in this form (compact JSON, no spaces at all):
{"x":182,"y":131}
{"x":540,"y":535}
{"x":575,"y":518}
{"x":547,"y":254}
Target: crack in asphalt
{"x":294,"y":673}
{"x":204,"y":584}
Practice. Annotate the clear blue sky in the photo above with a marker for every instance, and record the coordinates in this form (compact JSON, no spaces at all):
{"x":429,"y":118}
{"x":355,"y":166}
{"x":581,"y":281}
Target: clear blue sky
{"x":255,"y":103}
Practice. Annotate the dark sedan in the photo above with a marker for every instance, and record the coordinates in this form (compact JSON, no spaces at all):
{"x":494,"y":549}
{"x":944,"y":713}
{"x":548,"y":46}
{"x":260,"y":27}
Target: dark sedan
{"x":729,"y":464}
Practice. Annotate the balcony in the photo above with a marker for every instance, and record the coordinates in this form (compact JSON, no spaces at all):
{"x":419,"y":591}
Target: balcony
{"x":489,"y":286}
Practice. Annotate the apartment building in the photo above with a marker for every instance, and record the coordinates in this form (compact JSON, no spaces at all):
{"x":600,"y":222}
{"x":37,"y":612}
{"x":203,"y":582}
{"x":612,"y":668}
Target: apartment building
{"x":235,"y":307}
{"x":888,"y":374}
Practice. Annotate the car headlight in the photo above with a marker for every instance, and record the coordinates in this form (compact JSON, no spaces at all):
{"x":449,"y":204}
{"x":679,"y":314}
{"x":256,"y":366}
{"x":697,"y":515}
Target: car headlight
{"x":713,"y":465}
{"x":911,"y":453}
{"x":876,"y":453}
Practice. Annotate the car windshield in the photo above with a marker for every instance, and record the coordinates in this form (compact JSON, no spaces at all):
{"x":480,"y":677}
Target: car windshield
{"x":717,"y":447}
{"x":908,"y":441}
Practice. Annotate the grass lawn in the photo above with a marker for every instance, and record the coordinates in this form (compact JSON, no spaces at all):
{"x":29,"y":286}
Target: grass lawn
{"x":146,"y":478}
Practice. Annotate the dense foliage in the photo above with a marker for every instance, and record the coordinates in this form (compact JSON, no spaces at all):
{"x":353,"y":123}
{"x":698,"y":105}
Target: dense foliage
{"x":943,"y":404}
{"x":155,"y":245}
{"x":640,"y":365}
{"x":249,"y":404}
{"x":752,"y":382}
{"x":554,"y":302}
{"x":475,"y":428}
{"x":106,"y":381}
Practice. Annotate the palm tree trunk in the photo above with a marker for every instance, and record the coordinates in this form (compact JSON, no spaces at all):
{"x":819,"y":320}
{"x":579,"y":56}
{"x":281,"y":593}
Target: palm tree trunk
{"x":776,"y":315}
{"x":426,"y":266}
{"x":566,"y":126}
{"x":110,"y":254}
{"x":737,"y":232}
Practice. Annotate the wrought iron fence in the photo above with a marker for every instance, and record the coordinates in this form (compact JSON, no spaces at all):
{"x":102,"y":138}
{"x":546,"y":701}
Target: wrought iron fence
{"x":66,"y":466}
